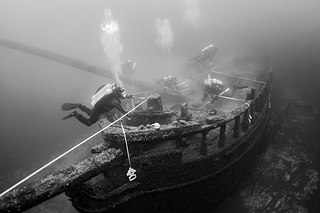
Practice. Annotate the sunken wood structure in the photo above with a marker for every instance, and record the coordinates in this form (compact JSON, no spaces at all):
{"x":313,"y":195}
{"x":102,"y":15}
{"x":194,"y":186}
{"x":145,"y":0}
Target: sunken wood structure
{"x":199,"y":159}
{"x":179,"y":159}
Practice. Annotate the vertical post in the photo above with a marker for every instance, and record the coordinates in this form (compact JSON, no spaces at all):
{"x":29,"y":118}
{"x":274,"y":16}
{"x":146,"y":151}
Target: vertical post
{"x":265,"y":96}
{"x":236,"y":127}
{"x":261,"y":101}
{"x":155,"y":103}
{"x":222,"y":136}
{"x":253,"y":94}
{"x":185,"y":112}
{"x":252,"y":110}
{"x":267,"y":91}
{"x":257,"y":104}
{"x":203,"y":146}
{"x":248,"y":97}
{"x":245,"y":120}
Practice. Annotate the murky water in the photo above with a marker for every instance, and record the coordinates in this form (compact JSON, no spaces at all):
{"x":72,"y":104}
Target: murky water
{"x":285,"y":177}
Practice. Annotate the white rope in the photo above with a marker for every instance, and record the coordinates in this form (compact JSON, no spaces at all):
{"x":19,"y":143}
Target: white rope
{"x":224,"y":92}
{"x":229,"y":98}
{"x":51,"y":162}
{"x":184,"y":82}
{"x":161,"y":89}
{"x":236,"y":76}
{"x":138,"y":93}
{"x":125,"y":140}
{"x":225,"y":97}
{"x":182,"y":91}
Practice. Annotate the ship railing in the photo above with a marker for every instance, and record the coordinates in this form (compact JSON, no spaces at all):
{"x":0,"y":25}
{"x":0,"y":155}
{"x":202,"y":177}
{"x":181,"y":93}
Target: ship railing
{"x":243,"y":118}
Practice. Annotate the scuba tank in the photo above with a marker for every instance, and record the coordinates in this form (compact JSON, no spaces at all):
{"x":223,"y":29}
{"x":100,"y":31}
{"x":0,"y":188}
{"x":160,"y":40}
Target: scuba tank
{"x":213,"y":86}
{"x":105,"y":90}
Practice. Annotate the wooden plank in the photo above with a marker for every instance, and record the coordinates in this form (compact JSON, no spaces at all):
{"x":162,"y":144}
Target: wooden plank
{"x":34,"y":193}
{"x":75,"y":63}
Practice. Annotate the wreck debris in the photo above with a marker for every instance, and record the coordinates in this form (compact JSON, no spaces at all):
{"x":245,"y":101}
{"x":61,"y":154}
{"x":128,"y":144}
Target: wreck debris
{"x":56,"y":183}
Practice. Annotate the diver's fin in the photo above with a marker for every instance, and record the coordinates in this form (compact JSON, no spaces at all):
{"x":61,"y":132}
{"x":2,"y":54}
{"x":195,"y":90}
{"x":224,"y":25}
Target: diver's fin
{"x":72,"y":114}
{"x":69,"y":106}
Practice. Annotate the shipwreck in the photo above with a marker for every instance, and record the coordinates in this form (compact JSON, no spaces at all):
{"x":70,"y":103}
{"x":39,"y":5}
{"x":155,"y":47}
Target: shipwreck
{"x":161,"y":157}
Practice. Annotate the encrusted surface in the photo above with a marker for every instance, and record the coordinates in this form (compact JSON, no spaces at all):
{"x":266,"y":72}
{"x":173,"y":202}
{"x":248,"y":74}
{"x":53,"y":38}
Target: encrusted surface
{"x":45,"y":188}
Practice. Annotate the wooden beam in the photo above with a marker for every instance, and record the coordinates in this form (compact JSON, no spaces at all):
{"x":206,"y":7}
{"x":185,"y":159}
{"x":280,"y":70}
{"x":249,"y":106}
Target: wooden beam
{"x":203,"y":145}
{"x":222,"y":135}
{"x":34,"y":193}
{"x":75,"y":63}
{"x":236,"y":128}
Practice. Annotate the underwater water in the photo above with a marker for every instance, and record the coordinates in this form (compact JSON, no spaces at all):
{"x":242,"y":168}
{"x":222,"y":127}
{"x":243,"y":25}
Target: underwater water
{"x":160,"y":36}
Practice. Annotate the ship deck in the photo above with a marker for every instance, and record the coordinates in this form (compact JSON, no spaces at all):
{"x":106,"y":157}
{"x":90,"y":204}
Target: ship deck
{"x":223,"y":107}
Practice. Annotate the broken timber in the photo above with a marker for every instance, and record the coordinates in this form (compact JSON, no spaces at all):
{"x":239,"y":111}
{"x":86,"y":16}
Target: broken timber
{"x":75,"y":63}
{"x":25,"y":197}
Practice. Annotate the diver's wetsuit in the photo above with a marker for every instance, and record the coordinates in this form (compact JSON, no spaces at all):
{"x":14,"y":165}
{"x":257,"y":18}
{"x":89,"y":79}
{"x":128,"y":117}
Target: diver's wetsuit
{"x":104,"y":105}
{"x":213,"y":89}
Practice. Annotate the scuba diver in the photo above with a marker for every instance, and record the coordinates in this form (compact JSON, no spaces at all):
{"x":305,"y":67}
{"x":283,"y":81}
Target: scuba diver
{"x":169,"y":83}
{"x":106,"y":98}
{"x":213,"y":87}
{"x":207,"y":54}
{"x":216,"y":89}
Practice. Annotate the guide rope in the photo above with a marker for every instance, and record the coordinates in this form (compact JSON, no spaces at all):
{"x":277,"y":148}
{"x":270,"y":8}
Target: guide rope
{"x":131,"y":172}
{"x":205,"y":71}
{"x":73,"y":148}
{"x":155,"y":90}
{"x":236,"y":76}
{"x":126,"y":142}
{"x":234,"y":99}
{"x":161,"y":89}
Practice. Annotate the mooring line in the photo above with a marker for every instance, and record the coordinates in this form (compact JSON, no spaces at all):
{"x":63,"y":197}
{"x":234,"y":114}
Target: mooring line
{"x":236,"y":76}
{"x":126,"y":142}
{"x":186,"y":81}
{"x":234,"y":99}
{"x":161,"y":89}
{"x":73,"y":148}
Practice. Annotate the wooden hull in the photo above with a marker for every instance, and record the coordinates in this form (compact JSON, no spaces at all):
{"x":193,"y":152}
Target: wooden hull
{"x":186,"y":164}
{"x":170,"y":184}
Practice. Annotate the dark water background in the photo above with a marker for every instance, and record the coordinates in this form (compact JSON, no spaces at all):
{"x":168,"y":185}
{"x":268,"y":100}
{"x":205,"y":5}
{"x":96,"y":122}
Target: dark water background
{"x":32,"y":89}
